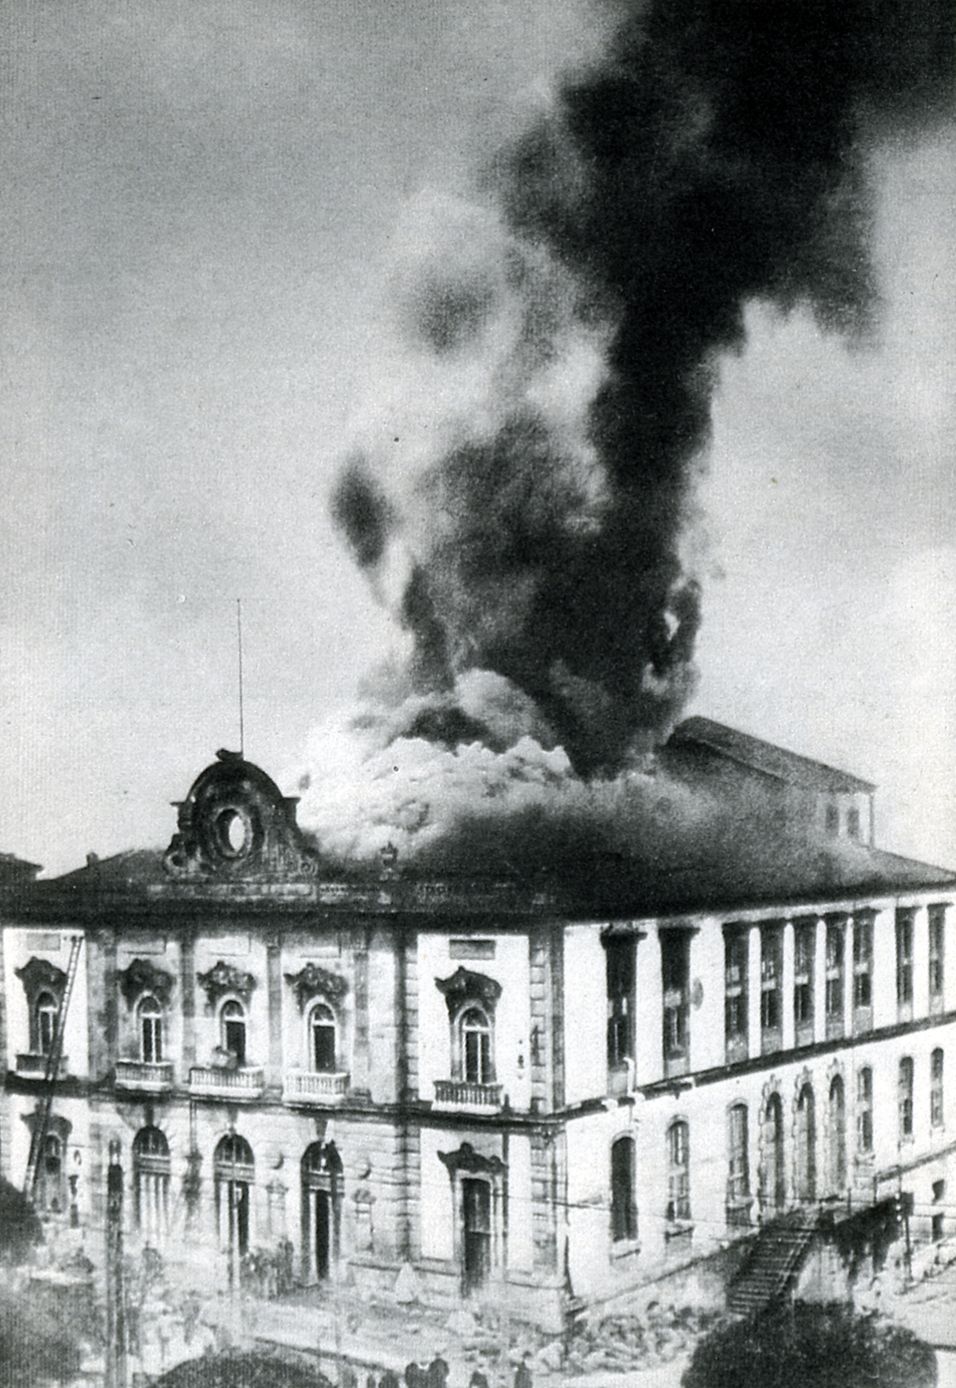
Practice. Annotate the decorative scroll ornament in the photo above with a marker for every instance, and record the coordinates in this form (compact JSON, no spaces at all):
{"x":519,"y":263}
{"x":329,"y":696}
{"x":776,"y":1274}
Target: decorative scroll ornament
{"x":312,"y":982}
{"x":466,"y":986}
{"x":38,"y":974}
{"x":142,"y":976}
{"x":471,"y":1162}
{"x":225,"y":978}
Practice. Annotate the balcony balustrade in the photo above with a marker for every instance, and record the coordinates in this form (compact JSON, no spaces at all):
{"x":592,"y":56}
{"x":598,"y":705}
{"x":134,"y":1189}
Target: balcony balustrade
{"x":466,"y":1094}
{"x":32,"y":1065}
{"x":218,"y":1082}
{"x":308,"y":1087}
{"x":145,"y":1076}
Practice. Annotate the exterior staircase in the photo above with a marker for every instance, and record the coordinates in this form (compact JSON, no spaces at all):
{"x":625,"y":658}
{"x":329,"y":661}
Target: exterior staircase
{"x":775,"y":1258}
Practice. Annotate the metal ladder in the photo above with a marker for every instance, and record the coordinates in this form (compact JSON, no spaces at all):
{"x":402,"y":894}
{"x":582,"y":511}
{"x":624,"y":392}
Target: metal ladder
{"x":51,"y":1071}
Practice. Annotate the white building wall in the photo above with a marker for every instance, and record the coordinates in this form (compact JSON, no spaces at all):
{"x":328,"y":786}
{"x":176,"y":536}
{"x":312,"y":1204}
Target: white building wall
{"x":520,"y":1222}
{"x":437,"y":1211}
{"x":585,"y":1028}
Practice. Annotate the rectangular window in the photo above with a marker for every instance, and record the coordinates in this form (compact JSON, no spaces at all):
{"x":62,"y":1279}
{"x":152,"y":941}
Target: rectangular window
{"x":771,"y":978}
{"x":904,"y":957}
{"x":905,"y":1099}
{"x":936,"y":1089}
{"x":937,"y":947}
{"x":623,"y":1205}
{"x":619,"y":964}
{"x":678,"y":1176}
{"x":675,"y":976}
{"x":736,"y":944}
{"x":862,"y":962}
{"x":804,"y":941}
{"x":864,"y":1109}
{"x":738,"y":1167}
{"x":834,"y":974}
{"x":853,"y":822}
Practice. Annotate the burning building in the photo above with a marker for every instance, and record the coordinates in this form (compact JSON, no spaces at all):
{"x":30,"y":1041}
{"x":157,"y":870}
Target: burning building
{"x":536,"y":1089}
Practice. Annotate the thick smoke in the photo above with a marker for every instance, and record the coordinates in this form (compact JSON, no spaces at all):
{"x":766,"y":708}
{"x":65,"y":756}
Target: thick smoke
{"x":522,"y":478}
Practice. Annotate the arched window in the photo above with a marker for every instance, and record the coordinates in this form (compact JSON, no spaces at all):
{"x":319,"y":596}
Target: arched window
{"x":623,"y":1203}
{"x":936,"y":1116}
{"x":322,"y":1038}
{"x":738,"y":1166}
{"x":837,"y":1136}
{"x":864,"y":1109}
{"x":234,"y":1172}
{"x":905,"y":1098}
{"x":232,"y":1021}
{"x":321,"y":1176}
{"x":806,"y":1145}
{"x":678,"y":1171}
{"x":44,"y":1022}
{"x":476,"y":1061}
{"x":150,"y":1029}
{"x":773,"y":1174}
{"x":151,"y":1183}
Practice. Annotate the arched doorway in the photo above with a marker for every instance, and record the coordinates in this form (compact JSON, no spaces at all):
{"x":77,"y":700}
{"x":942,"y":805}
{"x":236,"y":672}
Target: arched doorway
{"x":235,"y":1175}
{"x":806,"y":1141}
{"x":836,"y":1172}
{"x":321,"y":1210}
{"x":773,"y":1185}
{"x":151,"y":1183}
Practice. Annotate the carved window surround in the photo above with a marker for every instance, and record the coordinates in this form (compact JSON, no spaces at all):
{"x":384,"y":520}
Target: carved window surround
{"x":224,"y":979}
{"x":466,"y":986}
{"x":38,"y":975}
{"x":312,"y":981}
{"x":143,"y":976}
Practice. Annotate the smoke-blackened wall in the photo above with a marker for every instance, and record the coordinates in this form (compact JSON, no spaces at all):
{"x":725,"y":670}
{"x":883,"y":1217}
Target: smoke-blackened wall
{"x":521,"y":481}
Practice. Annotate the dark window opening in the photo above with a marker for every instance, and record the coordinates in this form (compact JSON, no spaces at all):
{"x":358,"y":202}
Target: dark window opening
{"x":905,"y":1098}
{"x":678,"y":1171}
{"x":619,"y":962}
{"x":623,"y":1204}
{"x":904,"y":957}
{"x":864,"y":1109}
{"x":675,"y":970}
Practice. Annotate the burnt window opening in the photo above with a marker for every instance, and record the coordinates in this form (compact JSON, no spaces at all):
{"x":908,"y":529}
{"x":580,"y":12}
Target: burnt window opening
{"x":232,"y":1026}
{"x":837,"y":1135}
{"x":804,"y":943}
{"x":619,"y":965}
{"x":45,"y":1011}
{"x":936,"y":1112}
{"x":834,"y":976}
{"x":937,"y":952}
{"x":904,"y":957}
{"x":322,"y":1039}
{"x":864,"y":1109}
{"x":862,"y":963}
{"x":736,"y":961}
{"x":623,"y":1202}
{"x":771,"y":977}
{"x":477,"y":1062}
{"x":905,"y":1098}
{"x":150,"y":1016}
{"x":675,"y":978}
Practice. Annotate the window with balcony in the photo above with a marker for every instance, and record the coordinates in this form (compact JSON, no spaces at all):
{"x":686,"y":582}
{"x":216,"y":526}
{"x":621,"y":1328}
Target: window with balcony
{"x":619,"y":964}
{"x":936,"y":1112}
{"x":864,"y":1110}
{"x":905,"y":1099}
{"x":771,"y":979}
{"x":736,"y":946}
{"x":623,"y":1202}
{"x":44,"y":1023}
{"x":904,"y":962}
{"x":937,"y":946}
{"x":322,"y":1039}
{"x":477,"y":1066}
{"x":675,"y":978}
{"x":738,"y":1167}
{"x":804,"y":949}
{"x":232,"y":1031}
{"x":834,"y":977}
{"x":862,"y":972}
{"x":471,"y":999}
{"x":150,"y":1016}
{"x":678,"y":1172}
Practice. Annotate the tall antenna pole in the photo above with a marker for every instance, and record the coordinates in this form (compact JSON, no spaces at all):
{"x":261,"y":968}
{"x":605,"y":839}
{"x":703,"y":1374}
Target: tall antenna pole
{"x":242,"y":738}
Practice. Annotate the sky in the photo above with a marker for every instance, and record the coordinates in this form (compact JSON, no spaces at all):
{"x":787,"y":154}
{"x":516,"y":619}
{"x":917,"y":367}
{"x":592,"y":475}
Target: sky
{"x":202,"y":203}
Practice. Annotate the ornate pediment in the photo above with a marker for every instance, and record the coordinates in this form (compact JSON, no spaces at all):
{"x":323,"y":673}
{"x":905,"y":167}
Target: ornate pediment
{"x":235,"y":823}
{"x":467,"y":986}
{"x":143,"y":976}
{"x":466,"y":1159}
{"x":225,"y":978}
{"x":312,"y":981}
{"x":38,"y":974}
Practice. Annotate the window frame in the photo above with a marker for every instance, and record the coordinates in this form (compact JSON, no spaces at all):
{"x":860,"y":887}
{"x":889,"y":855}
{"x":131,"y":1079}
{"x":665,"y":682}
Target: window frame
{"x":864,"y":1110}
{"x":151,"y":1023}
{"x":624,"y":1214}
{"x":329,"y":1023}
{"x":804,"y":993}
{"x":739,"y":1195}
{"x":229,"y":1018}
{"x":679,"y":1209}
{"x":904,"y":958}
{"x":737,"y":991}
{"x":485,"y":1056}
{"x":936,"y":964}
{"x":904,"y":1098}
{"x":937,"y":1112}
{"x":46,"y":1005}
{"x":675,"y":997}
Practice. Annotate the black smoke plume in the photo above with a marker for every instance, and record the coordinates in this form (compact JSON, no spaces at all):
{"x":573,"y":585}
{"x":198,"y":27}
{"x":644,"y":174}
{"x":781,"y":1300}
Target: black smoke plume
{"x":716,"y":156}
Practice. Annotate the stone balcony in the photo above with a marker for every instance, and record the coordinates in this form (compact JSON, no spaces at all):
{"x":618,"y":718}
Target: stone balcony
{"x":467,"y":1095}
{"x":145,"y":1076}
{"x":218,"y":1082}
{"x":307,"y":1088}
{"x":32,"y":1066}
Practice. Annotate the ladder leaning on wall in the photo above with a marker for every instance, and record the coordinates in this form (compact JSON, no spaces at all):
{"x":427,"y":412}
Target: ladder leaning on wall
{"x":41,"y":1122}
